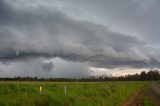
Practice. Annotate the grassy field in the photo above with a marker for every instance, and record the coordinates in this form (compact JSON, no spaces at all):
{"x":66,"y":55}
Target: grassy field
{"x":77,"y":93}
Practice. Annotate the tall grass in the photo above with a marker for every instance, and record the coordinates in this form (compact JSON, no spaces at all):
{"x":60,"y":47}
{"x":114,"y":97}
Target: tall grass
{"x":78,"y":93}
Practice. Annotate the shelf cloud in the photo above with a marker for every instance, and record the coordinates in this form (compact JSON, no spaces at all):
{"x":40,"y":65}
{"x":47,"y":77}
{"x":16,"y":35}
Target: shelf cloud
{"x":29,"y":31}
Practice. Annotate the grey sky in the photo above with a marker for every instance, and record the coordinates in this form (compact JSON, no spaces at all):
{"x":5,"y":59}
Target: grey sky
{"x":82,"y":33}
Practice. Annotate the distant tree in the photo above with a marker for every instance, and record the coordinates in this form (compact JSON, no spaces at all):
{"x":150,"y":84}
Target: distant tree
{"x":153,"y":75}
{"x":143,"y":76}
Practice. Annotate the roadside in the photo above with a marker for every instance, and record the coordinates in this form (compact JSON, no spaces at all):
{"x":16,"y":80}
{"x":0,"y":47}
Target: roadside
{"x":149,"y":95}
{"x":154,"y":93}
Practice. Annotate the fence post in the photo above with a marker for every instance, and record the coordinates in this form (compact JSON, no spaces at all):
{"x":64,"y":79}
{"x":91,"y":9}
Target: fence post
{"x":65,"y":90}
{"x":40,"y":89}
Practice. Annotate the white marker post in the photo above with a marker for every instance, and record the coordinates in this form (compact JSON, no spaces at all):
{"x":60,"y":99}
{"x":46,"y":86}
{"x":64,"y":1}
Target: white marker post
{"x":65,"y":90}
{"x":40,"y":89}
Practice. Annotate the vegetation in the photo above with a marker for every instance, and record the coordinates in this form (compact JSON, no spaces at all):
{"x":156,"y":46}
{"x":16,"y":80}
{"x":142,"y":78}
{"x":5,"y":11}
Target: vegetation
{"x":152,"y":75}
{"x":146,"y":99}
{"x":86,"y":91}
{"x":77,"y":93}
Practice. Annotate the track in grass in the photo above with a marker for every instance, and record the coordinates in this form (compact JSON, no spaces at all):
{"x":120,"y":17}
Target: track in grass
{"x":147,"y":96}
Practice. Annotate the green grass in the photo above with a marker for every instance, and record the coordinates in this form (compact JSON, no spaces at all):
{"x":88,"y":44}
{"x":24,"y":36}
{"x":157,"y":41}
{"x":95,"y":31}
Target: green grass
{"x":78,"y":93}
{"x":147,"y":101}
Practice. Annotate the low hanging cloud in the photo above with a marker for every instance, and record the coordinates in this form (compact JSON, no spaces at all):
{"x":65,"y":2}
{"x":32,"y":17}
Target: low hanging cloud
{"x":28,"y":32}
{"x":47,"y":67}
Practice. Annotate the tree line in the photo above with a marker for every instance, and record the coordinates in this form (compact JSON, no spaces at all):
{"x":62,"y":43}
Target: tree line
{"x":152,"y":75}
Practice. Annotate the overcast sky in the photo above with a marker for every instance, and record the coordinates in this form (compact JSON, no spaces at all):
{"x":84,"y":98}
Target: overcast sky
{"x":75,"y":38}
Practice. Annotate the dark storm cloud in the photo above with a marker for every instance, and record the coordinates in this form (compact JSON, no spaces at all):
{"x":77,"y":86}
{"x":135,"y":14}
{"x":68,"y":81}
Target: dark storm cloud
{"x":47,"y":67}
{"x":139,"y":17}
{"x":39,"y":31}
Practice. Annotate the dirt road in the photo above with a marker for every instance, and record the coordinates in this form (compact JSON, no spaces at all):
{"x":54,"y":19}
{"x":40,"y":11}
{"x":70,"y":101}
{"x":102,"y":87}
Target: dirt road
{"x":152,"y":92}
{"x":135,"y":99}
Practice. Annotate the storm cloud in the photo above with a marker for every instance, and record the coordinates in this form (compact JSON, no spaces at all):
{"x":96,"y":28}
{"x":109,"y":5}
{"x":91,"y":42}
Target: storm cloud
{"x":29,"y":31}
{"x":47,"y":67}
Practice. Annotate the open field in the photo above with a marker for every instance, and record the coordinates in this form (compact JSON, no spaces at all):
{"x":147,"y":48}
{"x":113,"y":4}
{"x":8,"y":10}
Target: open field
{"x":77,"y":93}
